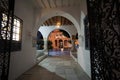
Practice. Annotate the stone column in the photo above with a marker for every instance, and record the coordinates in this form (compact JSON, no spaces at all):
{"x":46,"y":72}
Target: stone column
{"x":45,"y":44}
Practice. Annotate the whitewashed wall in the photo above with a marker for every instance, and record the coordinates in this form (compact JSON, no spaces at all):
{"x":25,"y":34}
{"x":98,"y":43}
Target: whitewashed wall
{"x":24,"y":59}
{"x":45,"y":30}
{"x":83,"y":54}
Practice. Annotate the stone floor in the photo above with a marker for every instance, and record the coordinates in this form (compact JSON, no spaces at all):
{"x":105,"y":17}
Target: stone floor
{"x":55,"y":68}
{"x":60,"y":52}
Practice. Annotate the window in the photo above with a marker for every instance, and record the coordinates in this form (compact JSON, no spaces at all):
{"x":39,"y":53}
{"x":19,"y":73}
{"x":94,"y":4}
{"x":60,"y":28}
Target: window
{"x":16,"y":30}
{"x":17,"y":26}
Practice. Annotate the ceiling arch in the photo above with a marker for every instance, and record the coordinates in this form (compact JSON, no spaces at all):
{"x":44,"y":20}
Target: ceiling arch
{"x":57,"y":20}
{"x":56,"y":3}
{"x":49,"y":14}
{"x":63,"y":30}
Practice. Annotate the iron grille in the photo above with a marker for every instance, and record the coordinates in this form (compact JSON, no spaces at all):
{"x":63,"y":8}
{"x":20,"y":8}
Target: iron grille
{"x":104,"y":24}
{"x":6,"y":7}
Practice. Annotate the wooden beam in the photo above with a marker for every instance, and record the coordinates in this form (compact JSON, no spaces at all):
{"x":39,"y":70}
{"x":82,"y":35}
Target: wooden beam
{"x":43,"y":3}
{"x":63,"y":20}
{"x":48,"y":24}
{"x":52,"y":21}
{"x":49,"y":3}
{"x":55,"y":3}
{"x":62,"y":3}
{"x":45,"y":24}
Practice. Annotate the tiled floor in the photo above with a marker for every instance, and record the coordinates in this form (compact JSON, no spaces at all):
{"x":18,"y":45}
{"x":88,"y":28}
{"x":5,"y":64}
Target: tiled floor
{"x":55,"y":68}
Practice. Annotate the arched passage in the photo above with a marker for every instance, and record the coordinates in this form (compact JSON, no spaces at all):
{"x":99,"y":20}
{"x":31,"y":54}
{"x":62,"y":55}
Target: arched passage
{"x":40,"y":41}
{"x":59,"y":40}
{"x":45,"y":17}
{"x":51,"y":13}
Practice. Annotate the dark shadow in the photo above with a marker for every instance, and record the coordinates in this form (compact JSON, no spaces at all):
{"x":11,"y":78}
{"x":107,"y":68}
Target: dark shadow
{"x":39,"y":73}
{"x":40,"y":41}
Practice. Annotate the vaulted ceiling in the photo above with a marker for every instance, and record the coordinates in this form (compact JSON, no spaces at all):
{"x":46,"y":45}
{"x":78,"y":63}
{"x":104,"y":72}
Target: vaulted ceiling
{"x":49,"y":4}
{"x":57,"y":21}
{"x":57,"y":3}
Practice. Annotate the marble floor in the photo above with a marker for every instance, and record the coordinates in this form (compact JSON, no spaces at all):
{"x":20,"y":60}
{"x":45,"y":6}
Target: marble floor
{"x":55,"y":68}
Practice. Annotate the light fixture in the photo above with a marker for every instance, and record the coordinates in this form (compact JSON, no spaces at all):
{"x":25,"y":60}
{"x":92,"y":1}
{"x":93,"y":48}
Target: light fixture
{"x":58,"y":24}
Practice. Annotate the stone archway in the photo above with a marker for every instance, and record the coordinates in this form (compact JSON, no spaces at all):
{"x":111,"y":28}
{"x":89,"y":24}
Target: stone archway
{"x":46,"y":15}
{"x":58,"y":42}
{"x":56,"y":39}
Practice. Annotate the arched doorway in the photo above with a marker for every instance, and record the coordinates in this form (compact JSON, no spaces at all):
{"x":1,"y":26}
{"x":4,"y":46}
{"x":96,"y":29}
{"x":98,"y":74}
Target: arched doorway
{"x":40,"y":41}
{"x":39,"y":45}
{"x":47,"y":23}
{"x":81,"y":57}
{"x":52,"y":13}
{"x":60,"y":22}
{"x":44,"y":18}
{"x":59,"y":43}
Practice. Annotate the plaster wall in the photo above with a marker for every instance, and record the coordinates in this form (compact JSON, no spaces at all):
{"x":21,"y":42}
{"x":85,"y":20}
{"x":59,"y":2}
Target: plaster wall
{"x":22,"y":60}
{"x":44,"y":14}
{"x":32,"y":18}
{"x":45,"y":30}
{"x":83,"y":54}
